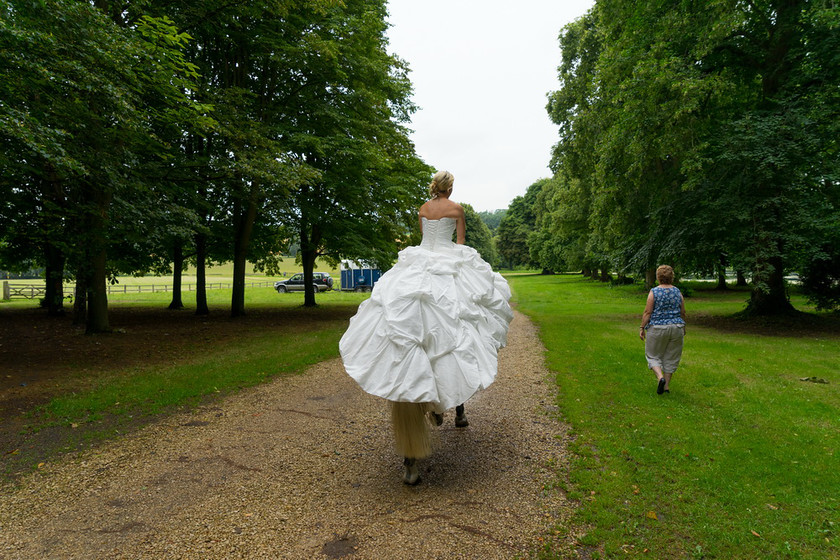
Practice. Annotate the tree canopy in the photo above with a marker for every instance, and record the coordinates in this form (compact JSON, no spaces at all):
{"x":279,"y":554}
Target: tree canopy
{"x":702,"y":134}
{"x":478,"y":234}
{"x":139,"y":137}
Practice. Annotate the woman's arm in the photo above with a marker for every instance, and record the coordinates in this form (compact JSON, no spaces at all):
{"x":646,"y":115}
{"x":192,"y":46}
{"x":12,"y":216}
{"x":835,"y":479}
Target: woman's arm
{"x":646,"y":315}
{"x":460,"y":227}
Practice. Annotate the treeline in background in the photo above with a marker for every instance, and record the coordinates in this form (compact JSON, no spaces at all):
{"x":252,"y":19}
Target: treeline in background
{"x":703,"y":134}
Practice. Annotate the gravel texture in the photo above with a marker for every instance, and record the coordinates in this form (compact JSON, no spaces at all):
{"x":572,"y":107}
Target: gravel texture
{"x":304,"y":468}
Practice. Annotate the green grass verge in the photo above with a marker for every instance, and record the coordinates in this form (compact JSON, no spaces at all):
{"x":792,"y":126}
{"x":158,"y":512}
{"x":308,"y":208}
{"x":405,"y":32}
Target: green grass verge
{"x":244,"y":362}
{"x":740,"y":460}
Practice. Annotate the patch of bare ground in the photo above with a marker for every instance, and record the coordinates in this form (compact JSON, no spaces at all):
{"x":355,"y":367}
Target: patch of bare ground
{"x":303,"y":468}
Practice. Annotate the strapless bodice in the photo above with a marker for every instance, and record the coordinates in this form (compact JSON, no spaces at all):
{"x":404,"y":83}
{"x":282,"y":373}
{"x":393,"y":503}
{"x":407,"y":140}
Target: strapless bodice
{"x":437,"y":233}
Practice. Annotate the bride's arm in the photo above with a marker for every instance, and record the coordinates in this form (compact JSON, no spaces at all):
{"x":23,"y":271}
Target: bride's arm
{"x":460,"y":227}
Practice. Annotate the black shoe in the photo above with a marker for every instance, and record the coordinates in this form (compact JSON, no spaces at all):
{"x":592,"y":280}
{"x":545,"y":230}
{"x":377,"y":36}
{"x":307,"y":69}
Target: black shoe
{"x":661,"y":387}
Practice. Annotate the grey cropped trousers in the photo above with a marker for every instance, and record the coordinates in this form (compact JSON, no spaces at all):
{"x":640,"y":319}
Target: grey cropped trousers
{"x":663,"y":346}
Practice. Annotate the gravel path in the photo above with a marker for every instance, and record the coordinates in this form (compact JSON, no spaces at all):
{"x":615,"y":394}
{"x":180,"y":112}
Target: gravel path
{"x":303,"y":468}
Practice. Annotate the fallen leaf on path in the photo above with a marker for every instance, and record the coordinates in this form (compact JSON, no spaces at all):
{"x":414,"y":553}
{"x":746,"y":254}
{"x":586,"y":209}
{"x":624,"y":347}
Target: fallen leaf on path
{"x":652,"y":515}
{"x":756,"y":534}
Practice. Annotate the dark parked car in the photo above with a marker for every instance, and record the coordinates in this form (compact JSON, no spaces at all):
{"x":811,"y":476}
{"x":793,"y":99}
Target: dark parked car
{"x":323,"y":282}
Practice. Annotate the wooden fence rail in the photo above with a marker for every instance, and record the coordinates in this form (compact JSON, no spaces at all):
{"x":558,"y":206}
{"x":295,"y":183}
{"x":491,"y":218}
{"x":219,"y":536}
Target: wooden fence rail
{"x":16,"y":290}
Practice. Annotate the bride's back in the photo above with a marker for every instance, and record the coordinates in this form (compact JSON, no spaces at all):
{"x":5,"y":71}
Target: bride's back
{"x":441,"y":207}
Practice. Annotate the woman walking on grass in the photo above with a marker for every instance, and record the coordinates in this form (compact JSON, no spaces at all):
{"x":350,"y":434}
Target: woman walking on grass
{"x":663,"y":328}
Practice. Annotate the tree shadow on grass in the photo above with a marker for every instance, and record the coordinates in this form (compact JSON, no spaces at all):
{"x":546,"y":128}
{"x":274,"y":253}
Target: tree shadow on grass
{"x":796,"y":324}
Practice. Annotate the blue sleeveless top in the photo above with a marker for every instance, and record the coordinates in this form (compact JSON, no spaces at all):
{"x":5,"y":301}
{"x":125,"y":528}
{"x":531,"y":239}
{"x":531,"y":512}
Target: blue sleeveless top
{"x":666,"y":307}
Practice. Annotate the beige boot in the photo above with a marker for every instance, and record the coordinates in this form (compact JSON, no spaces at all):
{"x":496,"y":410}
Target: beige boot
{"x":411,"y":476}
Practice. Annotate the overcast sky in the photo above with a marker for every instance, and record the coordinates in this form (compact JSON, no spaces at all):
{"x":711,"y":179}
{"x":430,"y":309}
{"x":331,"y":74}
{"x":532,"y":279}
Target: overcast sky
{"x":481,"y":71}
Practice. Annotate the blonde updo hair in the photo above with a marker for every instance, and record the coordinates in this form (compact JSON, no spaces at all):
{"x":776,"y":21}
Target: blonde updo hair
{"x":665,"y":274}
{"x":441,"y":183}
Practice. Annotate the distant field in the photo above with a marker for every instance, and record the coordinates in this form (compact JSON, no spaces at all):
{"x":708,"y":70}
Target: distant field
{"x":219,"y":273}
{"x":217,"y":278}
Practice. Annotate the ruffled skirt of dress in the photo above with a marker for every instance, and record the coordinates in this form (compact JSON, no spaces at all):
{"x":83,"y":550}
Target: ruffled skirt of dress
{"x":431,"y":330}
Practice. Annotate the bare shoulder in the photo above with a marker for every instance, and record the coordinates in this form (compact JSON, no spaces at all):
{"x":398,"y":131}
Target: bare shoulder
{"x":424,"y":209}
{"x":454,"y":210}
{"x":438,"y":208}
{"x":429,"y":210}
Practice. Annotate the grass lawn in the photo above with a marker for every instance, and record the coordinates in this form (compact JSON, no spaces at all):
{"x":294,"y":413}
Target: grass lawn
{"x":740,"y":460}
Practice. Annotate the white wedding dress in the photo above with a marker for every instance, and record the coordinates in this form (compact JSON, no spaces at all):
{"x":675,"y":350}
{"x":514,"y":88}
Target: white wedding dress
{"x":431,"y":330}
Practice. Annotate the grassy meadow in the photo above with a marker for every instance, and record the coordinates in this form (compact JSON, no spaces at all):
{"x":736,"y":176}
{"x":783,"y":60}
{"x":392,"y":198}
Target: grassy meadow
{"x":740,"y":460}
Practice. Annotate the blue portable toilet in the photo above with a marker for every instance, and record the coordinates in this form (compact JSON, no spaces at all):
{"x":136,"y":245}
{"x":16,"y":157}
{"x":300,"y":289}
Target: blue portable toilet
{"x":357,"y":277}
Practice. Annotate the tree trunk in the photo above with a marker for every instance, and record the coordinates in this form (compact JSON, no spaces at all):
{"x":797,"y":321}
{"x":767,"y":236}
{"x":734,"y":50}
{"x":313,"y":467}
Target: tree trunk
{"x":200,"y":275}
{"x":308,"y":257}
{"x":605,"y":275}
{"x":650,"y":278}
{"x":97,"y":309}
{"x":741,"y":278}
{"x":54,"y":276}
{"x":721,"y":279}
{"x":177,"y":273}
{"x":771,"y":297}
{"x":586,"y":271}
{"x":721,"y":274}
{"x":54,"y":203}
{"x":96,"y":254}
{"x":242,"y":238}
{"x":80,"y":299}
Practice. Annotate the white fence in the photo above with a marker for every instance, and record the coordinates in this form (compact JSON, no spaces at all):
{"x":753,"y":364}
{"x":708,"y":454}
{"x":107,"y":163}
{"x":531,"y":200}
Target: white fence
{"x":18,"y":290}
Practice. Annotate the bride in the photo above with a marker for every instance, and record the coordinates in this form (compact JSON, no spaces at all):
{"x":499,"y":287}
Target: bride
{"x":427,"y":339}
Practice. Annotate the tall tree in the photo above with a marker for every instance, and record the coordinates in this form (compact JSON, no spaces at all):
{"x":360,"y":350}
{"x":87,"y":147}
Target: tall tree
{"x":345,"y":121}
{"x":75,"y":113}
{"x":478,"y":235}
{"x":519,"y":222}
